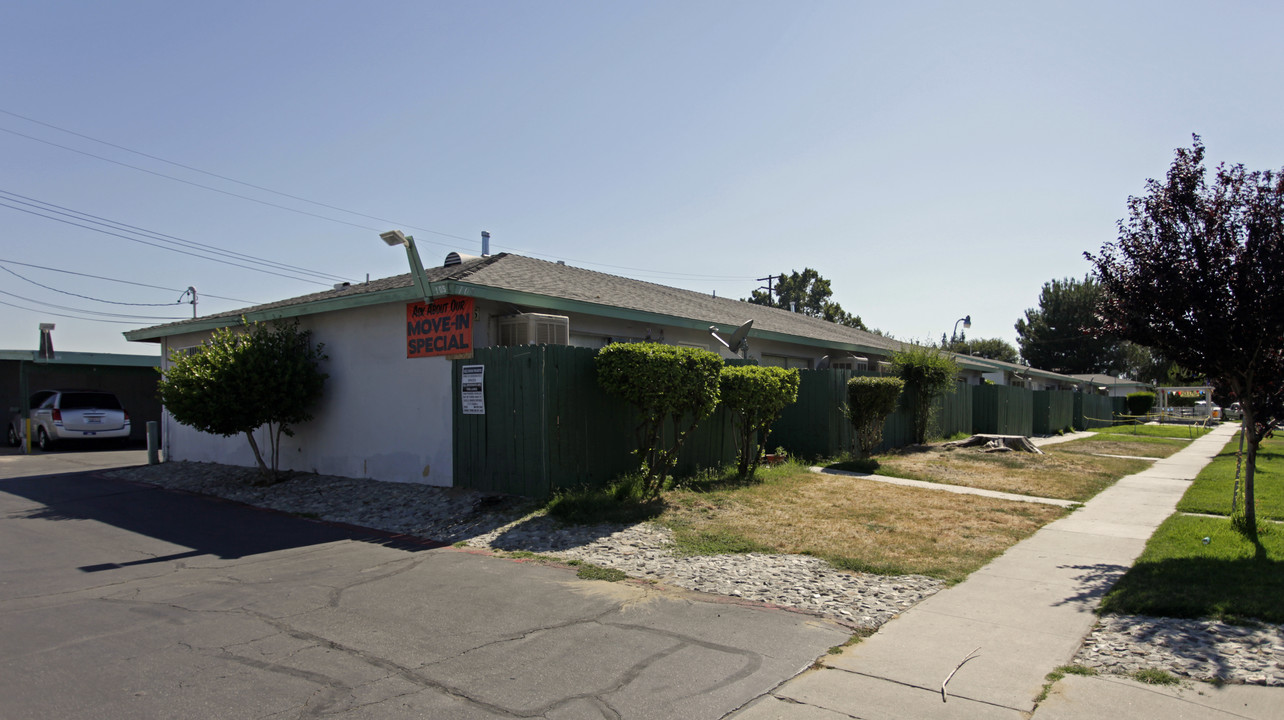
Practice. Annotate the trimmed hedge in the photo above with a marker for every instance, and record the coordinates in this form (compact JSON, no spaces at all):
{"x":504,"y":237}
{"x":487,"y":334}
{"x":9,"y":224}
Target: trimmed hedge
{"x":869,"y":401}
{"x":756,"y":396}
{"x":664,"y":382}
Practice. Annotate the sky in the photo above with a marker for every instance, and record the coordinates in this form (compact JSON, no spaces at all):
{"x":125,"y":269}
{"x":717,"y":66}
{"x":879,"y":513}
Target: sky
{"x":933,"y":160}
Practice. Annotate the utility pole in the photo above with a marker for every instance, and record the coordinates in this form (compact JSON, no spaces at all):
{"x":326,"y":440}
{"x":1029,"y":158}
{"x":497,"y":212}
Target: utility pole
{"x":190,"y":291}
{"x":769,"y":279}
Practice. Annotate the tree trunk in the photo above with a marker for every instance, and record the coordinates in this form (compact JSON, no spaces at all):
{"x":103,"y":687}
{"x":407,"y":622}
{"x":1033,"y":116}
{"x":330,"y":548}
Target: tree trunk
{"x":1250,"y":462}
{"x":254,"y":445}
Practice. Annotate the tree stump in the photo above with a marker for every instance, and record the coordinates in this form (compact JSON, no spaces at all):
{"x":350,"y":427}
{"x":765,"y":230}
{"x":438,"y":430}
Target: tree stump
{"x":997,"y":443}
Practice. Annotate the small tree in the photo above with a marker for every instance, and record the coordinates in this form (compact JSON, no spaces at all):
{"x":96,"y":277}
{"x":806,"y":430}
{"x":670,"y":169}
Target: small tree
{"x":756,"y":396}
{"x":929,"y":373}
{"x":1197,"y":273}
{"x":869,"y":401}
{"x":664,"y":382}
{"x":243,"y":379}
{"x":1139,"y":403}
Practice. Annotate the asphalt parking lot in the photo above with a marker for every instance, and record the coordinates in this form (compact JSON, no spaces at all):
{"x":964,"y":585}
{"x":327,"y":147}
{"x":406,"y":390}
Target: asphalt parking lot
{"x":122,"y":600}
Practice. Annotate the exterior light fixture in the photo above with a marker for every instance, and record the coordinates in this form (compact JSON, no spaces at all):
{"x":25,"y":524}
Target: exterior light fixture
{"x":967,"y":323}
{"x":396,"y":237}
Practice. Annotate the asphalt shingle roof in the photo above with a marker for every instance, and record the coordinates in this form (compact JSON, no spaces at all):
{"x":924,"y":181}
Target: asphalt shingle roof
{"x":554,"y":280}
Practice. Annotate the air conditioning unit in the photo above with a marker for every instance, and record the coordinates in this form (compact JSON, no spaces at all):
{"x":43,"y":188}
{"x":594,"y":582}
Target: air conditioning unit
{"x":534,"y":329}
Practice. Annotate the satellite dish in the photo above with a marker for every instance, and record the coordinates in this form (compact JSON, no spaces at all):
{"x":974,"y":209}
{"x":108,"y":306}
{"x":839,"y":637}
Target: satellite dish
{"x":739,"y":340}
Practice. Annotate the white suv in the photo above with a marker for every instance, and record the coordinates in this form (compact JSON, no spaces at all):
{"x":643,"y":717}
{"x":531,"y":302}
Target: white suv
{"x":78,"y":415}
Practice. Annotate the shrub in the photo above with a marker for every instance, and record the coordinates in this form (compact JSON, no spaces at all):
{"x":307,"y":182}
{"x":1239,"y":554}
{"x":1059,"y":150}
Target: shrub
{"x":869,"y":401}
{"x":664,"y":383}
{"x":244,"y":379}
{"x":756,"y":396}
{"x":1139,"y":403}
{"x":928,"y":373}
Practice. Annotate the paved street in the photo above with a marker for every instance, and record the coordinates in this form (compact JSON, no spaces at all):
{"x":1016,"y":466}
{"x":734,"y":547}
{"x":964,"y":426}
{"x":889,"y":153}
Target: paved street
{"x":125,"y":601}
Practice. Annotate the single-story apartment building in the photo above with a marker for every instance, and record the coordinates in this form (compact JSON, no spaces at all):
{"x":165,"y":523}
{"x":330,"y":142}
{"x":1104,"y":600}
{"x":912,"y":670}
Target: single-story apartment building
{"x":386,"y":412}
{"x":1113,"y":386}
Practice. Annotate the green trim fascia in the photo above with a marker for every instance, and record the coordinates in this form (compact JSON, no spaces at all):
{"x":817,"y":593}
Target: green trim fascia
{"x":346,"y":302}
{"x":82,"y":358}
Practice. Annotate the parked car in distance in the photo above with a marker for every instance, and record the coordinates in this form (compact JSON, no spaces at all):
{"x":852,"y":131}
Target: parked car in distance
{"x":16,"y":425}
{"x":73,"y":415}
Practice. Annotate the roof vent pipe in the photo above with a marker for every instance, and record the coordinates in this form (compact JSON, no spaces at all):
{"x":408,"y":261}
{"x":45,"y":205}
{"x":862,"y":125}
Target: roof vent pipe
{"x":485,"y":243}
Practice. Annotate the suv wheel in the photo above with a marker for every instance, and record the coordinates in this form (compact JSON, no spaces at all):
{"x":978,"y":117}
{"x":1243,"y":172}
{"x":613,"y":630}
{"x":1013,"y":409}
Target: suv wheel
{"x":46,"y":442}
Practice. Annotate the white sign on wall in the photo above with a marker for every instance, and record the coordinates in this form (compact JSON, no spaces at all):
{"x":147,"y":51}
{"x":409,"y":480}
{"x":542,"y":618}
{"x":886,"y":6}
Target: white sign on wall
{"x":472,"y":390}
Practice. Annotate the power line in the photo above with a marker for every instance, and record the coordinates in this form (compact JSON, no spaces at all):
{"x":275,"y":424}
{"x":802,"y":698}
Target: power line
{"x":85,"y":297}
{"x":74,"y":317}
{"x":126,"y":282}
{"x":91,"y":312}
{"x":172,"y":239}
{"x":163,"y":247}
{"x":652,"y":273}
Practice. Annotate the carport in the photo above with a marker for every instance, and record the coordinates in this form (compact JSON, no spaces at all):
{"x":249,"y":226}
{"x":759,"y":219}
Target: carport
{"x":131,"y":377}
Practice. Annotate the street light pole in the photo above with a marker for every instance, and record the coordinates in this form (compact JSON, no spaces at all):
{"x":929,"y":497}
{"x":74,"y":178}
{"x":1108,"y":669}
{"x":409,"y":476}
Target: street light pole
{"x":396,"y":237}
{"x":967,"y":323}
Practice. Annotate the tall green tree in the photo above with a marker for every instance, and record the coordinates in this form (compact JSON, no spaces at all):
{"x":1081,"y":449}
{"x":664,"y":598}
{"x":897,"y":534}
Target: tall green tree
{"x":1065,"y":335}
{"x":242,"y":379}
{"x":808,"y":293}
{"x":1197,"y":273}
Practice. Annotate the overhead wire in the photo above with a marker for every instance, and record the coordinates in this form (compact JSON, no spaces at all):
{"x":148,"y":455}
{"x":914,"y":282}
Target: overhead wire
{"x":88,"y":297}
{"x":126,"y":282}
{"x":157,"y":245}
{"x":162,"y":237}
{"x":648,"y":272}
{"x":91,"y":312}
{"x":73,"y":317}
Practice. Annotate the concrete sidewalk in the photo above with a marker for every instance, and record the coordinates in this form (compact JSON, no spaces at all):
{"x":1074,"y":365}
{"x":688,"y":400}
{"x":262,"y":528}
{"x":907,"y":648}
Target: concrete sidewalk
{"x":1024,"y":614}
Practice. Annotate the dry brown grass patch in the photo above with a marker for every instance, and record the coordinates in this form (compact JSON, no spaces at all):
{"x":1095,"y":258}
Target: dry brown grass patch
{"x":860,"y":524}
{"x":1055,"y":474}
{"x":1139,"y":447}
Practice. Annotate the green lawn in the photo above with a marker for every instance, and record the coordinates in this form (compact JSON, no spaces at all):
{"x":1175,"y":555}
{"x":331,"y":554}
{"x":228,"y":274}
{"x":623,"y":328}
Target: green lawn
{"x":1186,"y":432}
{"x":1229,"y":578}
{"x":1211,"y":491}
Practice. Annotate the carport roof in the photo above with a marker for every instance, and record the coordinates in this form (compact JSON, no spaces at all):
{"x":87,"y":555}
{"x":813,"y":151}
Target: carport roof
{"x":538,"y":285}
{"x":83,"y":358}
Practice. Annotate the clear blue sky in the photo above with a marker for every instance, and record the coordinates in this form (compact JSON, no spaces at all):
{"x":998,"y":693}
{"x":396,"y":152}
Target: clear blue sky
{"x":931,"y":159}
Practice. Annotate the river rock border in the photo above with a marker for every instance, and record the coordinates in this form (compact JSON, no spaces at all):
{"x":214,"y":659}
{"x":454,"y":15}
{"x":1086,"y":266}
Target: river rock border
{"x":511,"y":524}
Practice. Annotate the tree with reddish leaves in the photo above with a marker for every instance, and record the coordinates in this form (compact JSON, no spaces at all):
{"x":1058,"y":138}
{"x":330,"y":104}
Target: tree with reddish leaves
{"x":1197,"y":273}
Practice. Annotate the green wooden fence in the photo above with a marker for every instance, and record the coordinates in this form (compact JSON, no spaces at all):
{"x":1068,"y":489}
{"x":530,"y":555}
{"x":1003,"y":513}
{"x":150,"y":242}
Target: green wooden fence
{"x":1093,"y":411}
{"x":548,"y":425}
{"x":1002,"y":410}
{"x":815,"y":426}
{"x":1053,"y":411}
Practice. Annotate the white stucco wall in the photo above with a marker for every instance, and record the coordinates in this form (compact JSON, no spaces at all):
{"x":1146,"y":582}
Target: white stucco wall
{"x":381,"y":415}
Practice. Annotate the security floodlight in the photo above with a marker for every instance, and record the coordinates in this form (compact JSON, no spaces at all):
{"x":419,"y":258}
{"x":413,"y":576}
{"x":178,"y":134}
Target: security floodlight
{"x":396,"y":237}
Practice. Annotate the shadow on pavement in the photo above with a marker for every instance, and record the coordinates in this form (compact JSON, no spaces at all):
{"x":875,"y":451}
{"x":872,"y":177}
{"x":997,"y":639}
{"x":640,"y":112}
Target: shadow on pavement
{"x":208,"y":526}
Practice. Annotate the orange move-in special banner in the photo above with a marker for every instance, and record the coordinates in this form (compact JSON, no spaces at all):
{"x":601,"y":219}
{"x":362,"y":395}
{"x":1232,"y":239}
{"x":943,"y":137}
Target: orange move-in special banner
{"x":443,"y":326}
